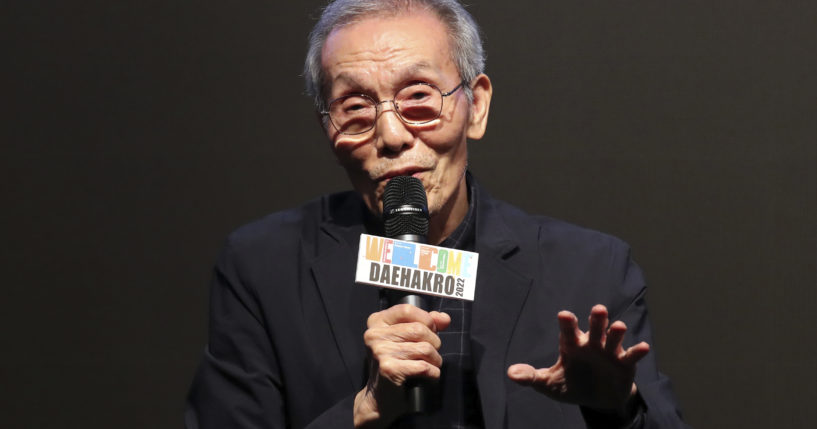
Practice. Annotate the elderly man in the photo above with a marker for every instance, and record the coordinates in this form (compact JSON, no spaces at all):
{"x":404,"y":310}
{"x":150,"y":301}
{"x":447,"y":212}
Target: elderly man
{"x":295,"y":343}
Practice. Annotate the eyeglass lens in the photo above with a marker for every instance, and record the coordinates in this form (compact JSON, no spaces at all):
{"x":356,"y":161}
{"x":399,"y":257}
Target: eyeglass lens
{"x":415,"y":104}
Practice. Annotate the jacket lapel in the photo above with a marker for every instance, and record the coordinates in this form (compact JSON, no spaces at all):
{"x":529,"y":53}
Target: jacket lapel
{"x":502,"y":289}
{"x":347,"y":305}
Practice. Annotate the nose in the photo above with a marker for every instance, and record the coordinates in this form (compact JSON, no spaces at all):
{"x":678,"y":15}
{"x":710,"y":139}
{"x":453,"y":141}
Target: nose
{"x":392,"y":134}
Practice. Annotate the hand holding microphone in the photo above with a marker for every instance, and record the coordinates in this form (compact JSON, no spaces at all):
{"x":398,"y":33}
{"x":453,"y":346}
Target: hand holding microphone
{"x":403,"y":338}
{"x":403,"y":342}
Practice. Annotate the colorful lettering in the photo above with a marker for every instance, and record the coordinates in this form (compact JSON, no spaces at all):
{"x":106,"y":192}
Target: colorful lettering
{"x":454,"y":262}
{"x":427,"y":255}
{"x":387,"y":250}
{"x":442,"y":261}
{"x":374,"y":248}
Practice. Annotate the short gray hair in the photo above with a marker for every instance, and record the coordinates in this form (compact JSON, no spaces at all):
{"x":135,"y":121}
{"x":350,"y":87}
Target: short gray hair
{"x":463,"y":32}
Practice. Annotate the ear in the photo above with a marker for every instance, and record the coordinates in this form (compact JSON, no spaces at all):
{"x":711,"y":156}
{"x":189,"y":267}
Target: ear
{"x":482,"y":90}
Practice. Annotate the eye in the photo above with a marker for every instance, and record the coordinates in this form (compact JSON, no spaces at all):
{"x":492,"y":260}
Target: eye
{"x":353,"y":107}
{"x":418,"y":95}
{"x":354,"y":104}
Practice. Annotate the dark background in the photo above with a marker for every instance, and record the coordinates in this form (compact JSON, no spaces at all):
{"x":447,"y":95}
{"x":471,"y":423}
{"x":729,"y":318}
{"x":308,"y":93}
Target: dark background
{"x":137,"y":134}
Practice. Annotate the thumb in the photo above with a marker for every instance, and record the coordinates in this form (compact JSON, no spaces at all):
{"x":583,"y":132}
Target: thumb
{"x":441,"y":320}
{"x":522,"y":373}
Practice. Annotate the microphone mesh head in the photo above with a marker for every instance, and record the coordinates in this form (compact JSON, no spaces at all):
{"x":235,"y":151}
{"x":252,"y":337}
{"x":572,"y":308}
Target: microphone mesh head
{"x":405,"y":207}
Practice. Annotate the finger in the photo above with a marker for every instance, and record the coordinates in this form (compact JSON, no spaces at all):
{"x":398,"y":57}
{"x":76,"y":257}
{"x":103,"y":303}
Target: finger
{"x":522,"y":373}
{"x":569,"y":328}
{"x":385,"y":350}
{"x":614,"y":337}
{"x":598,"y":324}
{"x":401,"y":333}
{"x":636,"y":353}
{"x":397,"y":371}
{"x":539,"y":379}
{"x":401,"y":313}
{"x":441,"y":320}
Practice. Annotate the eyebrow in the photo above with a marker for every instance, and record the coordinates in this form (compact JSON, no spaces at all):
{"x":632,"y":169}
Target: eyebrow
{"x":413,"y":70}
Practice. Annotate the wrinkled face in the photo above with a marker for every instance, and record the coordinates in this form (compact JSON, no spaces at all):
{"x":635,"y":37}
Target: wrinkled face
{"x":377,"y":57}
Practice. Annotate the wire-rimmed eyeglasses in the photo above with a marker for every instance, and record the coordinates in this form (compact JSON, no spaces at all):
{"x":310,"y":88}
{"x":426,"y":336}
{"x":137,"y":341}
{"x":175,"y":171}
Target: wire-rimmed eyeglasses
{"x":416,"y":104}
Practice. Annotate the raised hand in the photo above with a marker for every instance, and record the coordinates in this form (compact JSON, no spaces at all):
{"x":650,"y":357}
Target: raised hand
{"x":593,"y":369}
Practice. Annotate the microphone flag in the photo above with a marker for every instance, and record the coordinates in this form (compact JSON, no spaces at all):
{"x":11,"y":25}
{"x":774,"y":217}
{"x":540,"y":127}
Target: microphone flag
{"x":416,"y":267}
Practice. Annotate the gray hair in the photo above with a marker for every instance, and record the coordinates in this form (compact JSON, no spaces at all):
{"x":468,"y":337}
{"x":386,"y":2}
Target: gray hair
{"x":464,"y":36}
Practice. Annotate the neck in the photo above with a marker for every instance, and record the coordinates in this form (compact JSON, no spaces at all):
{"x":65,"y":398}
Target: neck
{"x":450,"y":216}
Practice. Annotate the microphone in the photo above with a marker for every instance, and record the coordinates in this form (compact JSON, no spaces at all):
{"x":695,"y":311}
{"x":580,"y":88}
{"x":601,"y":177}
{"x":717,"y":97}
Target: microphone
{"x":405,"y":217}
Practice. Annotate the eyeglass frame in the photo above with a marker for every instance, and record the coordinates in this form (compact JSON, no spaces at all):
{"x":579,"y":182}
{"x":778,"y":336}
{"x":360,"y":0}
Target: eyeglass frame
{"x":377,"y":105}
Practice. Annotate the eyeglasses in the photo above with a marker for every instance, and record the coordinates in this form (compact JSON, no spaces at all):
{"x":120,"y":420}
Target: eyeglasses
{"x":416,"y":104}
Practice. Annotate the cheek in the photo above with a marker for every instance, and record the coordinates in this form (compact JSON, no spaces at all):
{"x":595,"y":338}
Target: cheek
{"x":344,"y":143}
{"x":448,"y":136}
{"x":351,"y":152}
{"x":356,"y":162}
{"x":450,"y":151}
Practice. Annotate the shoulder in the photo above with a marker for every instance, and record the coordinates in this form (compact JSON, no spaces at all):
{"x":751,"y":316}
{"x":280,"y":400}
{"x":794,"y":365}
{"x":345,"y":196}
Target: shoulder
{"x":582,"y":266}
{"x":554,"y":233}
{"x":286,"y":230}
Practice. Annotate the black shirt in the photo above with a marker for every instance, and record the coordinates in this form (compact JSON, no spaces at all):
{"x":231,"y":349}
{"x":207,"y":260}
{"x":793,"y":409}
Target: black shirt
{"x":454,"y":401}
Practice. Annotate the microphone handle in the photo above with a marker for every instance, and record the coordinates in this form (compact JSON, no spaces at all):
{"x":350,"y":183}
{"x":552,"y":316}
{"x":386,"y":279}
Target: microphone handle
{"x":415,"y":391}
{"x":418,"y":301}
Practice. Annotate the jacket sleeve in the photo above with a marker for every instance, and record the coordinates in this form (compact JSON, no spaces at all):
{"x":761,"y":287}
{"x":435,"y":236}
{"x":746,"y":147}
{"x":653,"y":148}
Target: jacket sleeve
{"x":659,"y":407}
{"x":239,"y":383}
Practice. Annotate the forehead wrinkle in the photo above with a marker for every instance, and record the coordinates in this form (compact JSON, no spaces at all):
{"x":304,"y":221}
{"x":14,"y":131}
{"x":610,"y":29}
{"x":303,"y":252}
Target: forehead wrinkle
{"x":403,"y":73}
{"x":351,"y":77}
{"x":378,"y":50}
{"x":412,"y":70}
{"x":387,"y":58}
{"x":366,"y":58}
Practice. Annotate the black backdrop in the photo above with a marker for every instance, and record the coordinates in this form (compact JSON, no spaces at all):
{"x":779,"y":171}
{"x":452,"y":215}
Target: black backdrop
{"x":137,"y":134}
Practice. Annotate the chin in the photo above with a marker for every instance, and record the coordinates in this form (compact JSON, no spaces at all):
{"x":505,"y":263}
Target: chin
{"x":434,"y":206}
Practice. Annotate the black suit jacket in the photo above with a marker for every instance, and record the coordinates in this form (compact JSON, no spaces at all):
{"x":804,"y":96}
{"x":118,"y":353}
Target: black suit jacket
{"x":287,"y":320}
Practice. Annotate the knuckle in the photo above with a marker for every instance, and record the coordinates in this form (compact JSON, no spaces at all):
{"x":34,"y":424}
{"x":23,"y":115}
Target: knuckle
{"x":404,"y":310}
{"x":434,"y":359}
{"x":427,"y":350}
{"x":431,"y":371}
{"x":373,"y":319}
{"x":372,"y":336}
{"x":378,"y":349}
{"x":416,"y":330}
{"x":388,"y":369}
